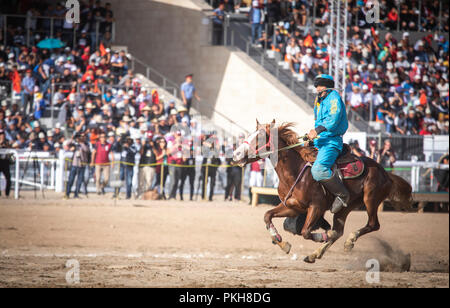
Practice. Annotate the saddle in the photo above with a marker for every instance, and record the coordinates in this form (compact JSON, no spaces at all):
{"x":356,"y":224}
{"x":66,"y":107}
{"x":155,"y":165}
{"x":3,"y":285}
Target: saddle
{"x":348,"y":165}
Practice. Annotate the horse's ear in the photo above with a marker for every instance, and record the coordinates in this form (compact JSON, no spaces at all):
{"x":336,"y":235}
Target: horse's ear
{"x":257,"y":122}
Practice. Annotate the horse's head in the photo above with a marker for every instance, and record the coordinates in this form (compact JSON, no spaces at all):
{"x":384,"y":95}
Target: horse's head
{"x":256,"y":144}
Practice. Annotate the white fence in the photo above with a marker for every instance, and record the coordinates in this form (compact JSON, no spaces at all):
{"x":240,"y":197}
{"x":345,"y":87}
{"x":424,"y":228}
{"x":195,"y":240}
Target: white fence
{"x":32,"y":168}
{"x":40,"y":171}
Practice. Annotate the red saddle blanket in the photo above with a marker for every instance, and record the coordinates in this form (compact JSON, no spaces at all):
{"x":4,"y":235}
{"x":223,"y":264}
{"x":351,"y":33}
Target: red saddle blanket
{"x":352,"y":169}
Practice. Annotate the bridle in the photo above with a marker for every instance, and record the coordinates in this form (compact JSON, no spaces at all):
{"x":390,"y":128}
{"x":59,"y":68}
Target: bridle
{"x":256,"y":150}
{"x":269,"y":143}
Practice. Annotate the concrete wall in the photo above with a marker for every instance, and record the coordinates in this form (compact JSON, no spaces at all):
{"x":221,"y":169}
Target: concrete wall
{"x":173,"y":36}
{"x":248,"y":92}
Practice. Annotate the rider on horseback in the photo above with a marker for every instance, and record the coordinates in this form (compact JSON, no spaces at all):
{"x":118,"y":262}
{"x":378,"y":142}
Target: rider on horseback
{"x":330,"y":125}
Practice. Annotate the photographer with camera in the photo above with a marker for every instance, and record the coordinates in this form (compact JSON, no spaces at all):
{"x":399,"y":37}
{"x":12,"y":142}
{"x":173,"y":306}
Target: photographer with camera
{"x":80,"y":160}
{"x":386,"y":156}
{"x":147,"y":169}
{"x":356,"y":150}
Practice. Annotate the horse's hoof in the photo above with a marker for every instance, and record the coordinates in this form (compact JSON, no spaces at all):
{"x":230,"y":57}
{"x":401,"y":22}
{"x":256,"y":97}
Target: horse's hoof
{"x":286,"y":247}
{"x":309,"y":259}
{"x":348,"y":246}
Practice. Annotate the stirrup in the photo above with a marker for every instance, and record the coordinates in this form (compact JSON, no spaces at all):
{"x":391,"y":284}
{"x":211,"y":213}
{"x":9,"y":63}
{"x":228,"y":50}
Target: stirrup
{"x":337,"y":205}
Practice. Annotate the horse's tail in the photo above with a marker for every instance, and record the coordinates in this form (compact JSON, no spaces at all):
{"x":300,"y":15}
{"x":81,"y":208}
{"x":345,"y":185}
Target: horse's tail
{"x":400,"y":195}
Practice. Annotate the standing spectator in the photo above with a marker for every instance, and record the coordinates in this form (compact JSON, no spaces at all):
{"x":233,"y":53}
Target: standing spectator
{"x":188,"y":92}
{"x":386,"y":156}
{"x":100,"y":158}
{"x":256,"y":16}
{"x":175,"y":159}
{"x":273,"y":14}
{"x":373,"y":151}
{"x":442,"y":175}
{"x":80,"y":160}
{"x":218,"y":19}
{"x":210,"y":162}
{"x":147,"y":169}
{"x":127,"y":160}
{"x":256,"y":177}
{"x":188,"y":172}
{"x":234,"y":173}
{"x":356,"y":150}
{"x":28,"y":84}
{"x":4,"y":162}
{"x":161,"y":159}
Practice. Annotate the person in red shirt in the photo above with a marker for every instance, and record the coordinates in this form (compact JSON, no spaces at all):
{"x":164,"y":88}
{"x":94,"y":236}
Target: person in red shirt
{"x":256,"y":177}
{"x":392,"y":19}
{"x":100,"y":158}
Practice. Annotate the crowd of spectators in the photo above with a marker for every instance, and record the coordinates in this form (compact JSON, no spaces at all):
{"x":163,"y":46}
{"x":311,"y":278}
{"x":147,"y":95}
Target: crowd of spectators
{"x":415,"y":15}
{"x":402,"y":84}
{"x":103,"y":115}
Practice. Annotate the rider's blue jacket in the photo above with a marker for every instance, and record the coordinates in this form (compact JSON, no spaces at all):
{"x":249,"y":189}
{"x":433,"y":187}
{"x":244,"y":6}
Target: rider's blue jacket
{"x":330,"y":119}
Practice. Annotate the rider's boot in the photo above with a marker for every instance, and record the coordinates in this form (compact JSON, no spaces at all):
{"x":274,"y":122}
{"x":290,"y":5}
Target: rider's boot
{"x":338,"y":189}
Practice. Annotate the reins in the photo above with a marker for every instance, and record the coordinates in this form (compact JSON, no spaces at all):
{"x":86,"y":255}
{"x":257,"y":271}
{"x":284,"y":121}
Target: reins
{"x":285,"y":148}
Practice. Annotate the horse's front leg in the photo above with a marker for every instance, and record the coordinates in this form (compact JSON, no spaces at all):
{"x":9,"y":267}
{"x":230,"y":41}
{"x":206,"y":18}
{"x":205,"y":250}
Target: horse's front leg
{"x":279,"y":211}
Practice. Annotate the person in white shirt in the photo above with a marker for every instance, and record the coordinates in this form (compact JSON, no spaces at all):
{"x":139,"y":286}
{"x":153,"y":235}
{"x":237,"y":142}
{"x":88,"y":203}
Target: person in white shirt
{"x":401,"y":61}
{"x":307,"y":61}
{"x":391,"y":73}
{"x":143,"y":96}
{"x":95,"y":57}
{"x":356,"y":99}
{"x":292,"y":51}
{"x":442,"y":87}
{"x":413,"y":98}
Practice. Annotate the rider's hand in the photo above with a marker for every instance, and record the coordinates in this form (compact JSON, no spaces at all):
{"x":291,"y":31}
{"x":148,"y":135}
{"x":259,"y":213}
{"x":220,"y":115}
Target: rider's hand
{"x":312,"y":134}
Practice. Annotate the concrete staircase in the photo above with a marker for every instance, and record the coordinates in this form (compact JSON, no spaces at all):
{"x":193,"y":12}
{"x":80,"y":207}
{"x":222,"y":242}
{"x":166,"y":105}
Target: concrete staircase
{"x":238,"y":35}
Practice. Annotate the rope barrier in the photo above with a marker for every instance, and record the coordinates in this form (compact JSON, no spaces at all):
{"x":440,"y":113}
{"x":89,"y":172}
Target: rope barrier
{"x":153,"y":165}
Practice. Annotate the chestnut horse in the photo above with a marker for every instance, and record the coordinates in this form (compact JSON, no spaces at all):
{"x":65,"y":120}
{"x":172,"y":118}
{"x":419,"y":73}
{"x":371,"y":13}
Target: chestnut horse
{"x":301,"y":194}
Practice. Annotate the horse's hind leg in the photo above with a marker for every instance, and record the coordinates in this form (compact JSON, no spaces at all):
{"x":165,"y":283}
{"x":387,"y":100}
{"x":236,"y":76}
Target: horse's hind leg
{"x":279,"y":211}
{"x":331,"y":235}
{"x":372,"y":202}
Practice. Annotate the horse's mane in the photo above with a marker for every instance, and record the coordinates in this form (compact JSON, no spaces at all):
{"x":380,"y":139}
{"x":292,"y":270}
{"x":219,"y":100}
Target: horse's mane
{"x":290,"y":137}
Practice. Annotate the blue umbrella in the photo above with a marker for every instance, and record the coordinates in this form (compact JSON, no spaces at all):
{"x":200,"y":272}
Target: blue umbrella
{"x":50,"y":43}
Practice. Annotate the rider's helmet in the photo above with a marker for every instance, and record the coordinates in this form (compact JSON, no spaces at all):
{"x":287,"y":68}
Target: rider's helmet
{"x":324,"y":80}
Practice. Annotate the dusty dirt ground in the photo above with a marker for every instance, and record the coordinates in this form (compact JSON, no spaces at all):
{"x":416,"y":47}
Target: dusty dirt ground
{"x":139,"y":243}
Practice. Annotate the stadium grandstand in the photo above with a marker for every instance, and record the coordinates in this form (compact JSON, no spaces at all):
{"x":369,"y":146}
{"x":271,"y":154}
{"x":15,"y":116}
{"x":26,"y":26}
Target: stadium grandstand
{"x":88,"y":83}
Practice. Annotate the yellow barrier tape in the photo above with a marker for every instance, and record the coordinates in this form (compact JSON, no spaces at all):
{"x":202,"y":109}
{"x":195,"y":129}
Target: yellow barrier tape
{"x":153,"y":165}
